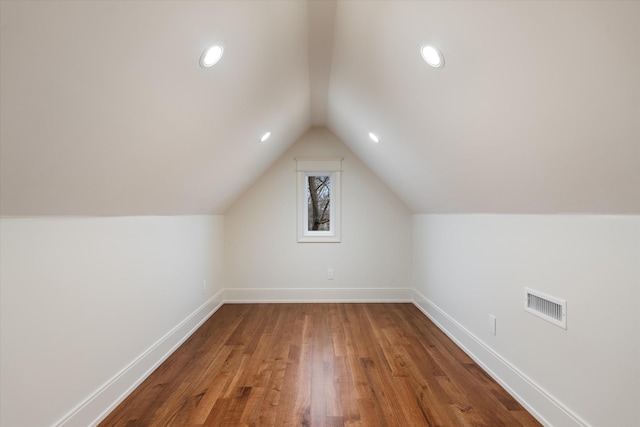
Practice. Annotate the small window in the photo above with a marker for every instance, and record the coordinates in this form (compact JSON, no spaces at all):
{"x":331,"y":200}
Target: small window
{"x":319,"y":200}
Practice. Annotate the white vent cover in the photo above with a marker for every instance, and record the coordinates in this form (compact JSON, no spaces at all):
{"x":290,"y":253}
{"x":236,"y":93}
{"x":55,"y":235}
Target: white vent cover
{"x":549,"y":308}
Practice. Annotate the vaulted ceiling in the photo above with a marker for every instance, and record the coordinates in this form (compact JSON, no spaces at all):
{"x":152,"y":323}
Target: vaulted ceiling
{"x":104,"y":109}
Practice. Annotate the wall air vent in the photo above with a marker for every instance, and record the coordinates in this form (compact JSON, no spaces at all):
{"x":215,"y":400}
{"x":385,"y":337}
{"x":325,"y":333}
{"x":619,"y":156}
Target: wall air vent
{"x":549,"y":308}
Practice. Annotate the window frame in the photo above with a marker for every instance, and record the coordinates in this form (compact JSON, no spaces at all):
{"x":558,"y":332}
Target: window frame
{"x":331,"y":167}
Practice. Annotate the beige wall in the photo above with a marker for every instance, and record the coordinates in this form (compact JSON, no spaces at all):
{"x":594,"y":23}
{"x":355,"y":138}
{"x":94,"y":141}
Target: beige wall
{"x":470,"y":266}
{"x":264,"y":260}
{"x":88,"y":305}
{"x":95,"y":303}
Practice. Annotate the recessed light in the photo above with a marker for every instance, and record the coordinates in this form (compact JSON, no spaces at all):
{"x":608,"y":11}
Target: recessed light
{"x":432,"y":56}
{"x":211,"y":56}
{"x":374,"y":138}
{"x":265,"y":137}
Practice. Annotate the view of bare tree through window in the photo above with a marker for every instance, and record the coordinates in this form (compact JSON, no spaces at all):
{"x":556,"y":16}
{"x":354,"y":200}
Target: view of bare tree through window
{"x":318,"y":200}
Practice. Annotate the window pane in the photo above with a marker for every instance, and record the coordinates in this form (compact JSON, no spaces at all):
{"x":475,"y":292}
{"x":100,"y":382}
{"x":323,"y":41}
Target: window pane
{"x":318,"y":202}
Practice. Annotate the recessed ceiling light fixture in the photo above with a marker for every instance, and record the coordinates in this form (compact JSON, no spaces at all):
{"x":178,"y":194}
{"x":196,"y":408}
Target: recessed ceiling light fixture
{"x":374,"y":137}
{"x":211,"y":56}
{"x":265,"y":137}
{"x":432,"y":56}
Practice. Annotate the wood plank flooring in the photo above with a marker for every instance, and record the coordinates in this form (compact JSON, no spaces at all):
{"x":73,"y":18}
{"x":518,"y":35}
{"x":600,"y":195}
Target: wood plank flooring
{"x":319,"y":365}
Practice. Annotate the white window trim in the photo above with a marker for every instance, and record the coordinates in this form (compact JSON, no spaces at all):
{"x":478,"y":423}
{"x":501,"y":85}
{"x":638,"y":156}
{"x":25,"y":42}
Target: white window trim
{"x":306,"y":167}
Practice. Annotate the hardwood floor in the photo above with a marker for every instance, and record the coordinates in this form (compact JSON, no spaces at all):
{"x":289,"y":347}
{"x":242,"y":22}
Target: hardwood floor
{"x":319,"y":365}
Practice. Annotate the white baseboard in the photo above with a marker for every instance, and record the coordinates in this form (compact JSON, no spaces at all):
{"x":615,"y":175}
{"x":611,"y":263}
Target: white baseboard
{"x":277,"y":295}
{"x":548,"y":410}
{"x":100,"y":403}
{"x":542,"y":405}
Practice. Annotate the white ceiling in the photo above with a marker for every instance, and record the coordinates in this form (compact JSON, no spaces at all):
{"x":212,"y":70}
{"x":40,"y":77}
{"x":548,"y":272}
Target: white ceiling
{"x":104,"y":109}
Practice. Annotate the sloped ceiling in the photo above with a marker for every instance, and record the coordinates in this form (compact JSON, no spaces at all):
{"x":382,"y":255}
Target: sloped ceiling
{"x":104,"y":109}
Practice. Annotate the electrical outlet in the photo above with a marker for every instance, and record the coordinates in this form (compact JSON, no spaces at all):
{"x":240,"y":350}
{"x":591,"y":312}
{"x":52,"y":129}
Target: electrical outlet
{"x":492,"y":324}
{"x":204,"y":287}
{"x":330,"y":274}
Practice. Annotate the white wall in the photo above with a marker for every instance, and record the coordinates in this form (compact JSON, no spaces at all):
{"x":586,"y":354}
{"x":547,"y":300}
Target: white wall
{"x":90,"y":305}
{"x":468,"y":266}
{"x":83,"y":298}
{"x":265,"y":262}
